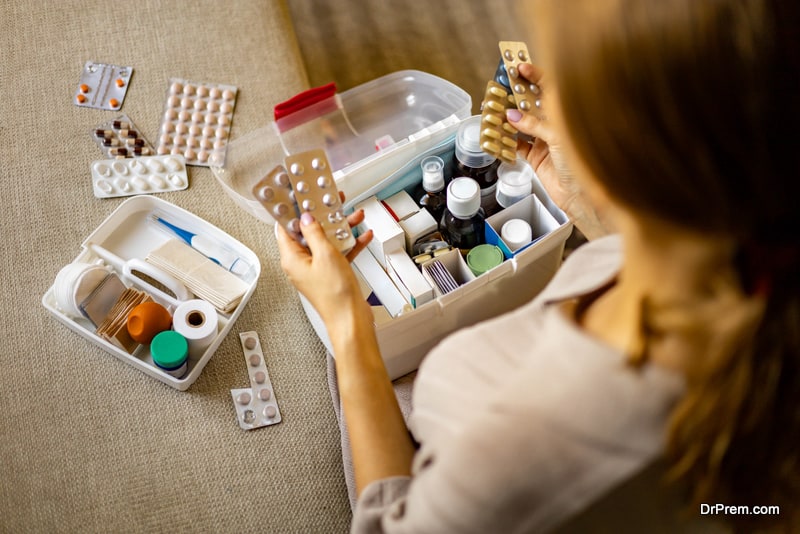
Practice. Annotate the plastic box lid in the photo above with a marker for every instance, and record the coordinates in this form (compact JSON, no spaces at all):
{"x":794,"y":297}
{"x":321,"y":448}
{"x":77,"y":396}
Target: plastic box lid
{"x":368,"y":132}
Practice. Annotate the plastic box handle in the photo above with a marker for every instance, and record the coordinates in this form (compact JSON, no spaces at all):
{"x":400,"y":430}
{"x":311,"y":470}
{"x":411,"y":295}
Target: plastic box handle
{"x":302,"y":107}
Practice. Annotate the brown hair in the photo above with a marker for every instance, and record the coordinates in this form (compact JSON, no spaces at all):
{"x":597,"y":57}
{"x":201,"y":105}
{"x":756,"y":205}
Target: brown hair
{"x":682,"y":110}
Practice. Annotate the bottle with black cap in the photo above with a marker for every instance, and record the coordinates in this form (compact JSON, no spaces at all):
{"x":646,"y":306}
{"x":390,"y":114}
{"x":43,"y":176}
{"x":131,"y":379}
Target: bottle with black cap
{"x":432,"y":195}
{"x":462,"y":224}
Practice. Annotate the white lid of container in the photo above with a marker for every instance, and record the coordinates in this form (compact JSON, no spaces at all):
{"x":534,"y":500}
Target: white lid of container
{"x":463,"y":197}
{"x":516,"y":233}
{"x":468,"y":144}
{"x":432,"y":174}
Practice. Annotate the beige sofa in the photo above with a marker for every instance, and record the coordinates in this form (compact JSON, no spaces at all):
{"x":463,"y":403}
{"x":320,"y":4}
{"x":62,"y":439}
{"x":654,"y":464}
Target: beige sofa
{"x":88,"y":443}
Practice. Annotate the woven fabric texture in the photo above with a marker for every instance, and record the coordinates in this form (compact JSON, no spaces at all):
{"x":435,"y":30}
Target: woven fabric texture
{"x":87,"y":442}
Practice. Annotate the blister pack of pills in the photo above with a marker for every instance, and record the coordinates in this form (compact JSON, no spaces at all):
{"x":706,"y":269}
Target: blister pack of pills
{"x":305,"y":184}
{"x":120,"y":138}
{"x":526,"y":94}
{"x":275,"y":193}
{"x":498,"y":137}
{"x":137,"y":176}
{"x":102,"y":86}
{"x":197,"y":121}
{"x":256,"y":406}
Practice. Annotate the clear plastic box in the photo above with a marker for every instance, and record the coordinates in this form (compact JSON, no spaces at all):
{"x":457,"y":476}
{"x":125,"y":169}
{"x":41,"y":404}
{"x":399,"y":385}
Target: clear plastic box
{"x":376,"y":135}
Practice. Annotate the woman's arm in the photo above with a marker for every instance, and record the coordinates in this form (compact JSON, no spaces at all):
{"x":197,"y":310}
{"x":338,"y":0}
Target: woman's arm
{"x":380,"y":442}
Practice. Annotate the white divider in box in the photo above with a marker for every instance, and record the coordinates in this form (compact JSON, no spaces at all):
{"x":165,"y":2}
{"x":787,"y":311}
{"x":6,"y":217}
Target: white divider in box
{"x":531,"y":210}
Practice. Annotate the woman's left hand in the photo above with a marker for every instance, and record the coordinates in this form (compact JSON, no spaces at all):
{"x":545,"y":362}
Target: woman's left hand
{"x":320,"y":272}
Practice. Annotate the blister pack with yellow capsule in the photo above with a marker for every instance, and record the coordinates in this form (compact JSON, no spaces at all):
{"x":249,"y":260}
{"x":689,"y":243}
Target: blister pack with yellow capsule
{"x":498,"y":137}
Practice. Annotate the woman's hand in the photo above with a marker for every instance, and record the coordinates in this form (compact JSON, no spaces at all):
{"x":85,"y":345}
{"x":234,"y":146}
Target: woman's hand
{"x":544,"y":151}
{"x":320,"y":272}
{"x":545,"y":155}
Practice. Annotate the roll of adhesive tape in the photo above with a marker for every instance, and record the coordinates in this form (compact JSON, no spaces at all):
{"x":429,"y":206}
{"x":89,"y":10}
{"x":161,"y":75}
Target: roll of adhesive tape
{"x":197,"y":321}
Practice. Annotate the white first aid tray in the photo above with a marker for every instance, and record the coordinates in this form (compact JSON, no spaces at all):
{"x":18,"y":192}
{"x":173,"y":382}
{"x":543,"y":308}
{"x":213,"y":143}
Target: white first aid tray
{"x":122,"y":243}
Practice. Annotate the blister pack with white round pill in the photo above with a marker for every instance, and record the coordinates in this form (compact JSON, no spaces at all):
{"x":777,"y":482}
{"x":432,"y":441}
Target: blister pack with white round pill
{"x":196,"y":123}
{"x":274,"y":192}
{"x":138,"y":176}
{"x":120,"y":138}
{"x":102,"y":86}
{"x":315,"y":192}
{"x":256,"y":406}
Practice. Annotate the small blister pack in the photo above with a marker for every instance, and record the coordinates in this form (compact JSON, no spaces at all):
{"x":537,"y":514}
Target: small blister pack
{"x":120,"y":138}
{"x":305,"y":183}
{"x":256,"y":406}
{"x":275,"y":193}
{"x":526,"y":94}
{"x":197,"y":121}
{"x":137,"y":176}
{"x":102,"y":86}
{"x":498,"y":137}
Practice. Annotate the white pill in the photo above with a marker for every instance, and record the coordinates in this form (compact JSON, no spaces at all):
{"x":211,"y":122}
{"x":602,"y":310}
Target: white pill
{"x":156,"y":166}
{"x":189,"y":154}
{"x":120,"y":168}
{"x":199,"y":105}
{"x":202,"y":90}
{"x":163,"y":150}
{"x":189,"y":89}
{"x":227,"y":94}
{"x":102,"y":169}
{"x":174,"y":101}
{"x":195,"y":130}
{"x":264,"y":394}
{"x":255,"y":360}
{"x":222,"y":133}
{"x":139,"y":183}
{"x":184,"y":115}
{"x":214,"y":93}
{"x":176,"y":88}
{"x":270,"y":411}
{"x":173,"y":164}
{"x":224,"y":120}
{"x":260,"y":377}
{"x":181,"y":128}
{"x":226,"y":107}
{"x":213,"y":106}
{"x":157,"y":181}
{"x":122,"y":185}
{"x":176,"y":180}
{"x":178,"y":140}
{"x":202,"y":156}
{"x":104,"y":186}
{"x":197,"y":117}
{"x":170,"y":114}
{"x":243,"y":398}
{"x":186,"y":102}
{"x":210,"y":119}
{"x":208,"y":131}
{"x":139,"y":167}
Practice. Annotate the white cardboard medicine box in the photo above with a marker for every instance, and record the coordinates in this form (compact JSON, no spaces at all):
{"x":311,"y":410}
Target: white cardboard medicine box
{"x":418,"y":114}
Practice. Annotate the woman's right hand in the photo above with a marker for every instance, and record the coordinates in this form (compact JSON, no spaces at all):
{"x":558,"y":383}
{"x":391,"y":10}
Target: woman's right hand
{"x":543,"y":152}
{"x":545,"y":155}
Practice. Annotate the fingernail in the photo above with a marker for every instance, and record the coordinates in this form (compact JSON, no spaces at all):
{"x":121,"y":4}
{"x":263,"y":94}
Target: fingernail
{"x":306,"y":218}
{"x":513,"y":115}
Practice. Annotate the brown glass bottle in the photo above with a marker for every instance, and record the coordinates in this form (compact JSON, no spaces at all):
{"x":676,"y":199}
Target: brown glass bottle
{"x":471,"y":161}
{"x":462,"y":224}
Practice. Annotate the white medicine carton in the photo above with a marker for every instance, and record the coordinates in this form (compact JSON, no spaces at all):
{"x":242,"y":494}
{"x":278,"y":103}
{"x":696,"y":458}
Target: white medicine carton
{"x":375,"y":136}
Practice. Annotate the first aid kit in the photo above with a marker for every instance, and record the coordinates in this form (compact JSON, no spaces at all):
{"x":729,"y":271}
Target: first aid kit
{"x":375,"y":137}
{"x":134,"y":276}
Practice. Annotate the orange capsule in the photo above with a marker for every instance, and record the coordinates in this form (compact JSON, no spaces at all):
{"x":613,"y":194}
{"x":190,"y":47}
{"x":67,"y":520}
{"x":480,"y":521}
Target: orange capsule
{"x":81,"y":98}
{"x":120,"y":82}
{"x":84,"y":88}
{"x":113,"y":103}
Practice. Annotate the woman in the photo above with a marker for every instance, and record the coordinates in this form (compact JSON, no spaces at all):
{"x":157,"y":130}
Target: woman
{"x":676,"y":340}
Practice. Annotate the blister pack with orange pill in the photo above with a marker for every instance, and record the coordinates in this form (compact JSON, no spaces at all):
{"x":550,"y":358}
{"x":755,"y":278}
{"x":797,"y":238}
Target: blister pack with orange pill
{"x":102,"y":86}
